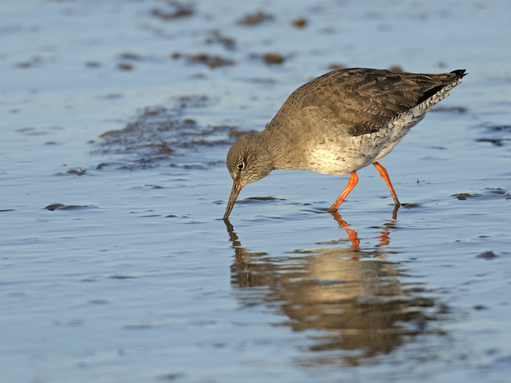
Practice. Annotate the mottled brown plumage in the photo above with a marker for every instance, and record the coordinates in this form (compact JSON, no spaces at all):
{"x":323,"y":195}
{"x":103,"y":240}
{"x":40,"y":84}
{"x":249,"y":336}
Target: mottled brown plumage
{"x":337,"y":124}
{"x":363,"y":100}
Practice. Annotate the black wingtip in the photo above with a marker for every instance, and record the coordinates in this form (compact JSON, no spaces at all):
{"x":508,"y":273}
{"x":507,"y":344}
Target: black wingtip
{"x":460,"y":73}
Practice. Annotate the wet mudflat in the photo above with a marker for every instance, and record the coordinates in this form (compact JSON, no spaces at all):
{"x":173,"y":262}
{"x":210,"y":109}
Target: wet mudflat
{"x":115,"y":265}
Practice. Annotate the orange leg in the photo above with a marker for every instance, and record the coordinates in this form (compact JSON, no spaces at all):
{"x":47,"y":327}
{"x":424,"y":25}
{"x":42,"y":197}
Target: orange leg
{"x":351,"y":184}
{"x":385,"y":176}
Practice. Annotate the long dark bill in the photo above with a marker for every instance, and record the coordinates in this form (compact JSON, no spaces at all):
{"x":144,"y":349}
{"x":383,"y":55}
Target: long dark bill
{"x":236,"y":188}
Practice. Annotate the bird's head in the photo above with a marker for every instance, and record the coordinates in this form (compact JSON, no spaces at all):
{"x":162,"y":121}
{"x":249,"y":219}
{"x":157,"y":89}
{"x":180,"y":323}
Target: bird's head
{"x":248,"y":161}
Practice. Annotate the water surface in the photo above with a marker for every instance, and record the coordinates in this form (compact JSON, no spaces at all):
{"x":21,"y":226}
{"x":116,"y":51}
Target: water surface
{"x":115,"y":265}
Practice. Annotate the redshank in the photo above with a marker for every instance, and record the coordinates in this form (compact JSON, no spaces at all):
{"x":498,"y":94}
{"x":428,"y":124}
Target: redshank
{"x":337,"y":124}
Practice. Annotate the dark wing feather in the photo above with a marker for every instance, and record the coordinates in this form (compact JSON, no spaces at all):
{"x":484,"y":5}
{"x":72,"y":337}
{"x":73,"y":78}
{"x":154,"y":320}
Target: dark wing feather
{"x":363,"y":100}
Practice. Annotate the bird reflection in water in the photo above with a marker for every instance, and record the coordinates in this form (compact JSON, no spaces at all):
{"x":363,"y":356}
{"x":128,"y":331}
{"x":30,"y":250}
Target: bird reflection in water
{"x":353,"y":294}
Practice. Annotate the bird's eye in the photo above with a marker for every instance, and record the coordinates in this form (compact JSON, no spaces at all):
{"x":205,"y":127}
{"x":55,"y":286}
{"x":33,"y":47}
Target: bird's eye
{"x":241,"y":165}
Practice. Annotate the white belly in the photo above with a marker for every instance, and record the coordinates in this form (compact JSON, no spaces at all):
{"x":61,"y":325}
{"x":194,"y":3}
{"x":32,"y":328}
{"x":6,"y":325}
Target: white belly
{"x":347,"y":154}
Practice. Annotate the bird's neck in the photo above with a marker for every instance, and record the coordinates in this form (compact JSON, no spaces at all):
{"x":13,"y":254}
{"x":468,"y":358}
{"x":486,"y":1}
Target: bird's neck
{"x":282,"y":148}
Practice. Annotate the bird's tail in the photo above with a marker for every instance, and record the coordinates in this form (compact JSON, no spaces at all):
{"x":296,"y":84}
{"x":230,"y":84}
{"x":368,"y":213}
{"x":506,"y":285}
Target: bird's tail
{"x":460,"y":73}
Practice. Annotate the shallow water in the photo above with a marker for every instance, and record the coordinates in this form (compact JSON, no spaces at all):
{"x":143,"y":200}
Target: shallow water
{"x":130,"y":275}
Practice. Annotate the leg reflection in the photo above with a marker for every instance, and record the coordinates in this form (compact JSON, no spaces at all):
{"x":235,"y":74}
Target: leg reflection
{"x":352,"y":234}
{"x":384,"y":237}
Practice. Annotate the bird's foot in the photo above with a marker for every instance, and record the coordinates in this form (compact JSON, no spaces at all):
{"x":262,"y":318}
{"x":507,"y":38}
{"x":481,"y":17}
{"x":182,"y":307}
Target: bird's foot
{"x":396,"y":208}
